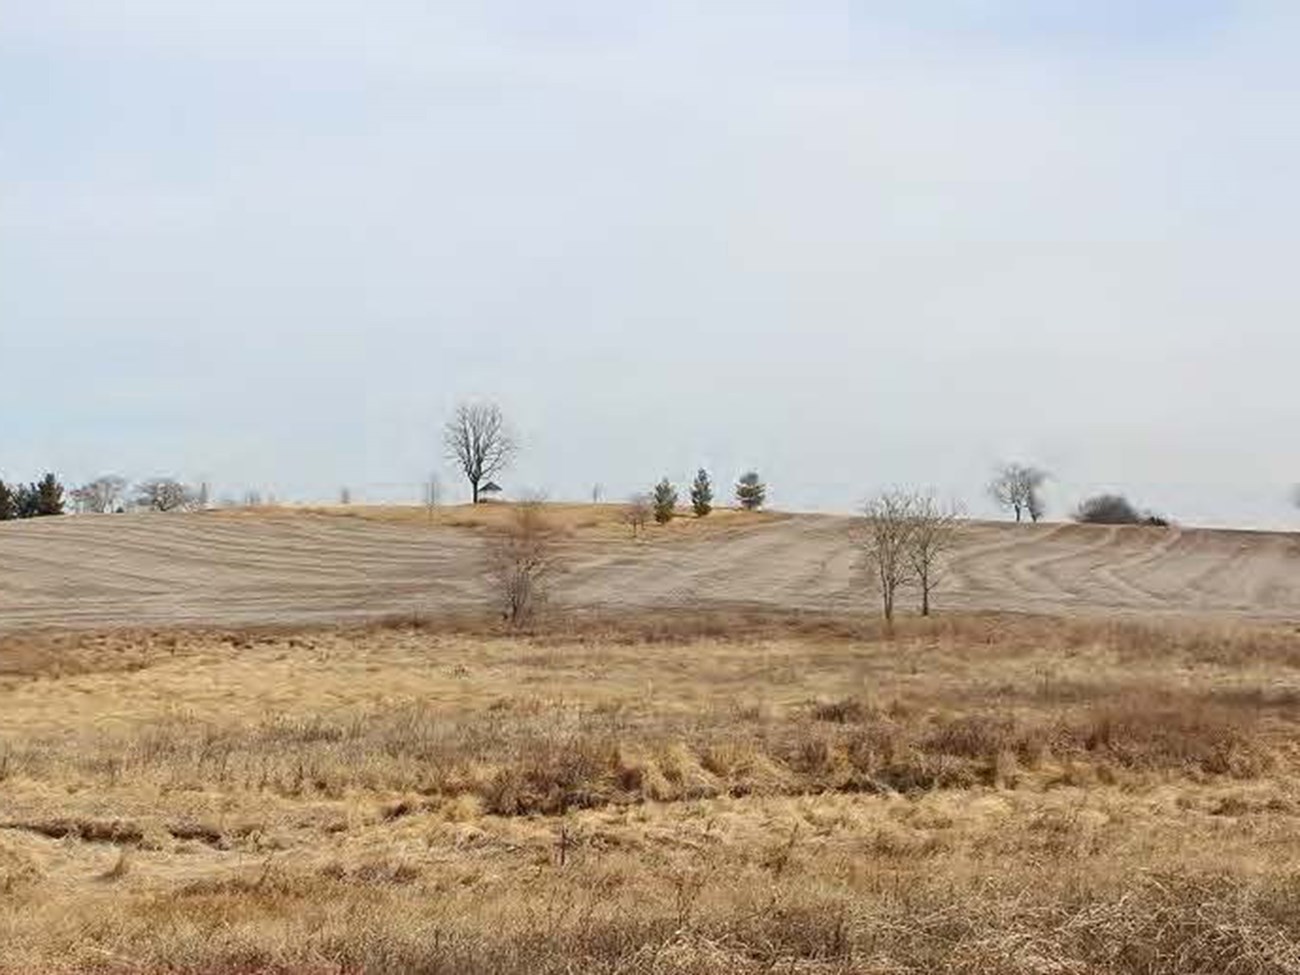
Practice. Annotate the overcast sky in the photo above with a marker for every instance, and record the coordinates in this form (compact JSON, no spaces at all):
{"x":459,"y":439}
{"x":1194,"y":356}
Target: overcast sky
{"x":271,"y":243}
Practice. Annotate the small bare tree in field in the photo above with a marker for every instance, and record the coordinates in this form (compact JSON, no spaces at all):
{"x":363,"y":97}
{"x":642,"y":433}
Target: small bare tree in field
{"x":521,"y":559}
{"x":885,"y":539}
{"x":636,"y":513}
{"x":479,"y":443}
{"x":164,"y":494}
{"x":935,"y":531}
{"x":100,"y":496}
{"x":1018,"y":488}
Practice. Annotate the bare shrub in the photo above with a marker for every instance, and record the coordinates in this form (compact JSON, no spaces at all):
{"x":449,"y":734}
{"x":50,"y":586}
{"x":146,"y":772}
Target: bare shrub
{"x":1148,"y":733}
{"x":1107,"y":509}
{"x":636,"y":513}
{"x":521,"y":560}
{"x":847,"y":710}
{"x":1115,"y":509}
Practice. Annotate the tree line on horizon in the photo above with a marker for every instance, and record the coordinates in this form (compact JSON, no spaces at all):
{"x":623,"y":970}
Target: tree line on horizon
{"x":107,"y":494}
{"x":39,"y":499}
{"x":481,"y":444}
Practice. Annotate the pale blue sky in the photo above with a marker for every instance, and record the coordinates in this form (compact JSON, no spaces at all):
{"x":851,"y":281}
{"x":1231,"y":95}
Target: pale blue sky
{"x":856,"y":244}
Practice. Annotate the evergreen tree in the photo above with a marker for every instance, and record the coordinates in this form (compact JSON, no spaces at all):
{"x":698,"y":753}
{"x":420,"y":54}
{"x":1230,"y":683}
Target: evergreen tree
{"x":702,"y":493}
{"x":26,"y":501}
{"x":665,"y":501}
{"x":49,"y":496}
{"x":750,"y":491}
{"x":8,"y":507}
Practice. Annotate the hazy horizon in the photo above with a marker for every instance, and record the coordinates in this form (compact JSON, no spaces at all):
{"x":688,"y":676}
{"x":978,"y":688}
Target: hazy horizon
{"x":852,"y":245}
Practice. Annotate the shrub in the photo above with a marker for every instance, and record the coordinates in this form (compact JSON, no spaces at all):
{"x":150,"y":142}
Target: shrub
{"x":521,"y":559}
{"x":1107,"y":509}
{"x":636,"y":512}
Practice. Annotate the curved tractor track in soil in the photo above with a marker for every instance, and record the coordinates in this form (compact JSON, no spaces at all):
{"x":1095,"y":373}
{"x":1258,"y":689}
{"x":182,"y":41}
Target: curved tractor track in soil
{"x":210,"y":569}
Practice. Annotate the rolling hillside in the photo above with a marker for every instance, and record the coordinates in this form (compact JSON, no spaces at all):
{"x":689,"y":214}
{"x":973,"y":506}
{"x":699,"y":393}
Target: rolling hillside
{"x":294,"y":566}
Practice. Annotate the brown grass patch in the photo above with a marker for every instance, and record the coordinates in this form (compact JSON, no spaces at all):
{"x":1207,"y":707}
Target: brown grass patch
{"x":726,"y":792}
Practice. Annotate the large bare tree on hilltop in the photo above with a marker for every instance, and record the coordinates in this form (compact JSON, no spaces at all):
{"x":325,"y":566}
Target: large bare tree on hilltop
{"x":479,"y":442}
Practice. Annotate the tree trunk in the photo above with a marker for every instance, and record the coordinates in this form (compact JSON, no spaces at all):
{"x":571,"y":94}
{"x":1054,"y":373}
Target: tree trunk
{"x":925,"y":598}
{"x":473,"y":488}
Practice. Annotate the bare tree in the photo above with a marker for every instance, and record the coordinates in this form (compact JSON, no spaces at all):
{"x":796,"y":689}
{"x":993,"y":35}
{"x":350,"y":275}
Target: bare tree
{"x":934,"y":532}
{"x":885,"y":540}
{"x":1018,"y":488}
{"x":636,"y":513}
{"x":345,"y":496}
{"x":100,"y":496}
{"x":479,"y":443}
{"x":163,"y":494}
{"x":521,"y":559}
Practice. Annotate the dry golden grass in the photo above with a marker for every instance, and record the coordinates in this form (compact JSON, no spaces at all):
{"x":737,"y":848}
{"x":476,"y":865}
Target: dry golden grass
{"x":733,"y":792}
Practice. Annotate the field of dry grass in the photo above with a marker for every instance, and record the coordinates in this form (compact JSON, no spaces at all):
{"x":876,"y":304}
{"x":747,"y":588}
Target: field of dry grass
{"x":701,"y":793}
